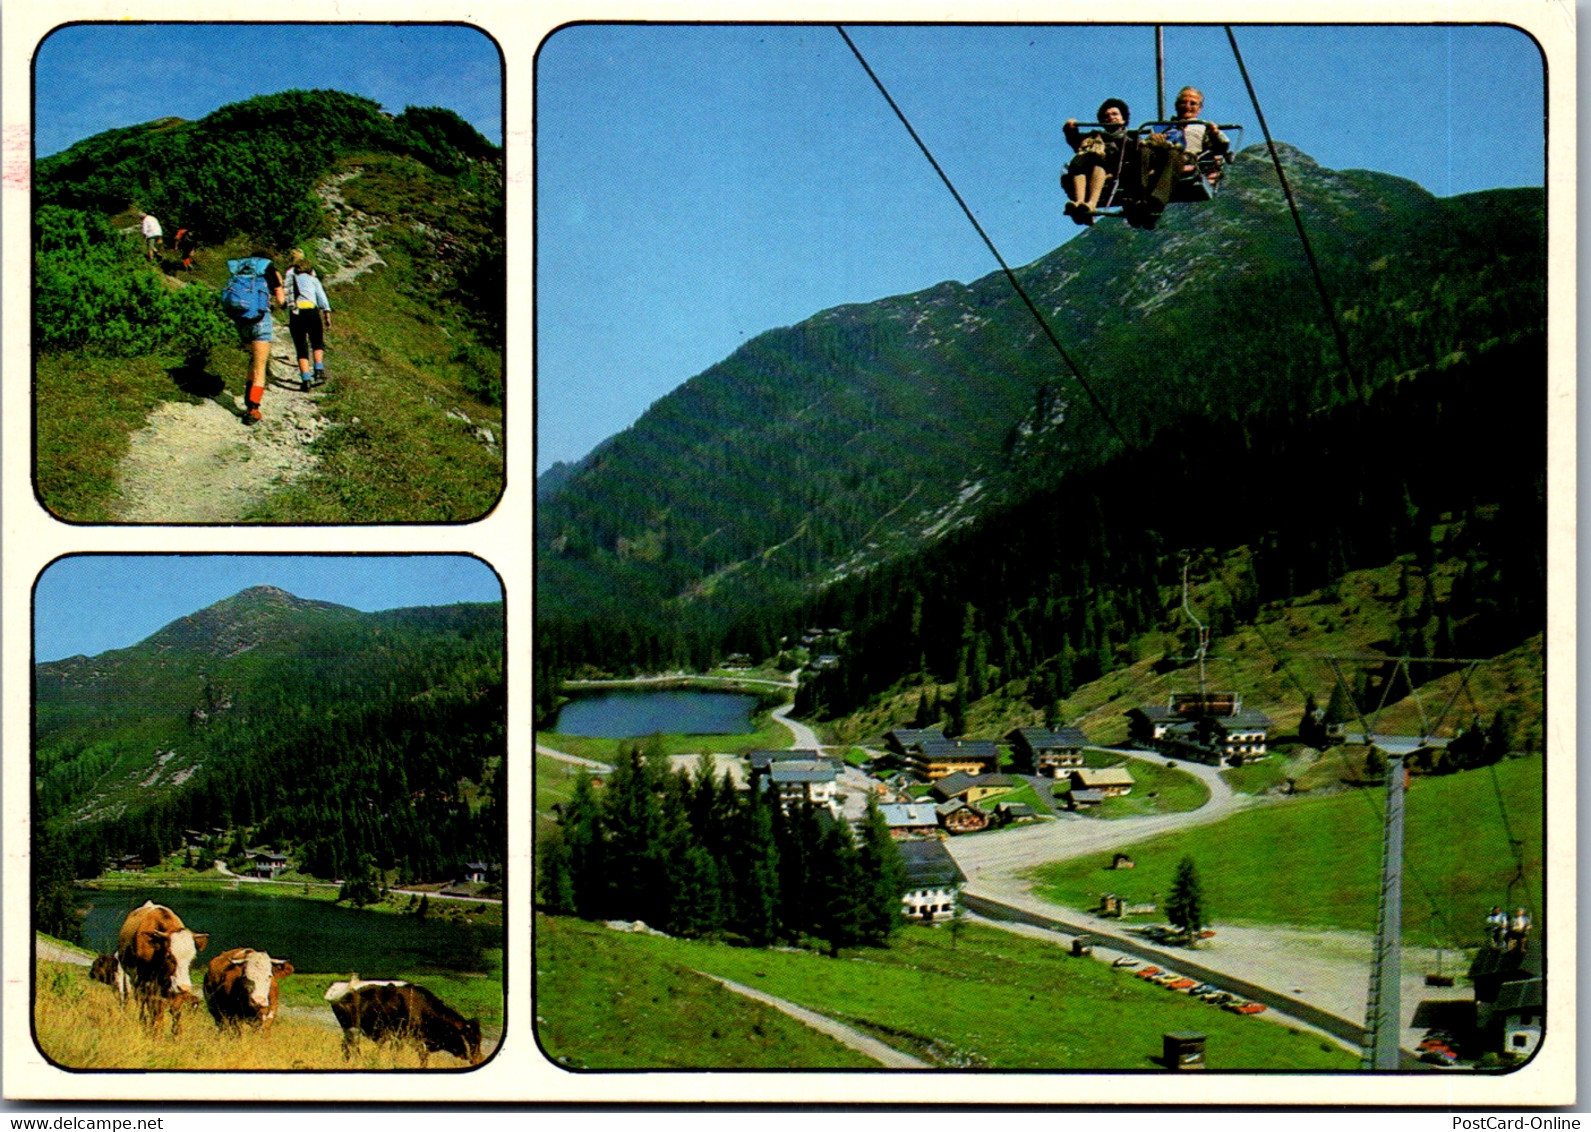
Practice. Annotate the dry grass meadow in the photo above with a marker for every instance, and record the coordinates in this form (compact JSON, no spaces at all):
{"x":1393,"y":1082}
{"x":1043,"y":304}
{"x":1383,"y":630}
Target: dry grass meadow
{"x":79,"y":1024}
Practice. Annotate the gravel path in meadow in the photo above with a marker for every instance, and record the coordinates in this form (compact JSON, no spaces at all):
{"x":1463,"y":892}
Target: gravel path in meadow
{"x":885,"y":1055}
{"x":202,"y":464}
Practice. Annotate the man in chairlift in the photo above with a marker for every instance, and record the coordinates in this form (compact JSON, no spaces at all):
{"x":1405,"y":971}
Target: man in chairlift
{"x":1195,"y":136}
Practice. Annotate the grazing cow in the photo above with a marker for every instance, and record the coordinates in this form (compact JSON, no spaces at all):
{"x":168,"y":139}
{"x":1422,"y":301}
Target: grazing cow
{"x":155,"y":951}
{"x":390,"y":1007}
{"x":240,"y":986}
{"x":108,"y":970}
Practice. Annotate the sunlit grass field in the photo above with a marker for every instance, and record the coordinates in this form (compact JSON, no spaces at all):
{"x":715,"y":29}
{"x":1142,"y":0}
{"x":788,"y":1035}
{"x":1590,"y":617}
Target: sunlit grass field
{"x":1316,"y":861}
{"x":80,"y":1024}
{"x":977,"y":997}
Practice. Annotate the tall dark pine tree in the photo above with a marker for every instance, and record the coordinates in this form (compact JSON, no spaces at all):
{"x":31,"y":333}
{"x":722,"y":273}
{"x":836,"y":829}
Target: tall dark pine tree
{"x":756,"y":872}
{"x":633,"y":818}
{"x":883,"y":879}
{"x":1185,"y":906}
{"x":840,"y":886}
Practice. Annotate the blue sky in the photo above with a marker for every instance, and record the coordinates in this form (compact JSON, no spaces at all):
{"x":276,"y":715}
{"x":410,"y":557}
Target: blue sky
{"x":89,"y":604}
{"x":698,"y":185}
{"x":89,"y":78}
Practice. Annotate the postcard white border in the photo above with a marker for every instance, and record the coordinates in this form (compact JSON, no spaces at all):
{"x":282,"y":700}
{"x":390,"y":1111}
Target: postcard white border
{"x":519,"y":1072}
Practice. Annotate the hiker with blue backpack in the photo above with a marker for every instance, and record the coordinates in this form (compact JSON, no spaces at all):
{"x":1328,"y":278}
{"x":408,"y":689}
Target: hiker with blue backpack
{"x":308,"y":318}
{"x":247,"y":299}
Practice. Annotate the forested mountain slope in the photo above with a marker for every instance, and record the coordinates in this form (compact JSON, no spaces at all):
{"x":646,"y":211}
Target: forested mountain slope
{"x":346,"y":735}
{"x":873,"y":429}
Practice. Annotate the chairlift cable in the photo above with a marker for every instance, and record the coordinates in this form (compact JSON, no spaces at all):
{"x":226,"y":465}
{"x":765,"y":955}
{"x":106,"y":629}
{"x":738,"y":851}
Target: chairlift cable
{"x":989,"y":243}
{"x":1298,"y":221}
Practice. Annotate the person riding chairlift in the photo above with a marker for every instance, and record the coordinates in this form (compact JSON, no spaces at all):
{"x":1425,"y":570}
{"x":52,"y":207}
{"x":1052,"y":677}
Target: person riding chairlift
{"x":1101,"y":157}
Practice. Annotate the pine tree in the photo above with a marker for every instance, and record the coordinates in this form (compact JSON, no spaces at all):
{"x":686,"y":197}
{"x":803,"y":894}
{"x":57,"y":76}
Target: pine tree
{"x":756,"y":879}
{"x":883,"y":879}
{"x":839,"y":888}
{"x":1185,"y":906}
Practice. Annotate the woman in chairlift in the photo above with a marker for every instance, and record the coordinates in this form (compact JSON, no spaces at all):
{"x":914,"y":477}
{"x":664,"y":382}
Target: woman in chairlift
{"x":1101,"y":157}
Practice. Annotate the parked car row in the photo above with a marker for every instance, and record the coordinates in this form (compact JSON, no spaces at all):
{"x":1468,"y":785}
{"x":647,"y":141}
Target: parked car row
{"x":1438,"y":1048}
{"x":1205,"y":992}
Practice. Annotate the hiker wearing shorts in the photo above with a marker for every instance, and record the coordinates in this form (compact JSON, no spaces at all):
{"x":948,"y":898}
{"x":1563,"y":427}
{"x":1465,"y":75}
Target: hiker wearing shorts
{"x":255,"y":334}
{"x":309,"y":315}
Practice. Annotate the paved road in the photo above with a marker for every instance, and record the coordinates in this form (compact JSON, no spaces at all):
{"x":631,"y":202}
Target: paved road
{"x":804,"y":735}
{"x":676,"y":677}
{"x":574,"y":760}
{"x":885,"y":1055}
{"x":1184,"y":963}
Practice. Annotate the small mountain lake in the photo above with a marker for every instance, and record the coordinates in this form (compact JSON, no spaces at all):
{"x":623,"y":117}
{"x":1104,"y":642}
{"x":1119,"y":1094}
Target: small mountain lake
{"x":313,"y":935}
{"x":629,"y":714}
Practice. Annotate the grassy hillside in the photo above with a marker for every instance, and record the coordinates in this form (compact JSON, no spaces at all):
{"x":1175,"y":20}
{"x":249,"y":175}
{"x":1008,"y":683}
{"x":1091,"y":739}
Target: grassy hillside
{"x":412,"y":421}
{"x":1316,"y":861}
{"x":604,"y":1003}
{"x":976,"y":998}
{"x":1274,"y":661}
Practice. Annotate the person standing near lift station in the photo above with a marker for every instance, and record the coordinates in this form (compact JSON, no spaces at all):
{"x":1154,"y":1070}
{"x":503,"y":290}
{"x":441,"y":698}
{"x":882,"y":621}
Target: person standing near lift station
{"x":309,"y":317}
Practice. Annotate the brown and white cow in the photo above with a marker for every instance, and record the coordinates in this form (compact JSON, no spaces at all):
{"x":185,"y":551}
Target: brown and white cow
{"x":383,"y":1008}
{"x":240,"y":986}
{"x":155,"y":951}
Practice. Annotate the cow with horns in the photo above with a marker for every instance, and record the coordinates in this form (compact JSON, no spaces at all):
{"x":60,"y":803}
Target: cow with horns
{"x":155,"y":951}
{"x":240,"y":986}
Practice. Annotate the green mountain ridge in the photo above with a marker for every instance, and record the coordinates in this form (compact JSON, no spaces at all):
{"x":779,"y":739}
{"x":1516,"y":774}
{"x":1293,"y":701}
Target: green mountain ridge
{"x":278,"y":712}
{"x":874,"y":429}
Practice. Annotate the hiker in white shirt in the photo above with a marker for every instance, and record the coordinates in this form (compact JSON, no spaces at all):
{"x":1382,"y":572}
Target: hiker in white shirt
{"x":152,"y":235}
{"x":309,"y":314}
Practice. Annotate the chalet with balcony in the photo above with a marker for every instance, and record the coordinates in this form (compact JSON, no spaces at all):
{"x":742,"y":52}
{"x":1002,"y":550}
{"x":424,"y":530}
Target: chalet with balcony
{"x":960,"y":816}
{"x":933,"y":881}
{"x":801,"y":781}
{"x":1202,"y":726}
{"x":1048,"y":752}
{"x":933,"y":759}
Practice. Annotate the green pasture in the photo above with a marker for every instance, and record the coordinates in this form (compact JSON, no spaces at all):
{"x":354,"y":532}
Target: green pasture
{"x":978,"y":997}
{"x":1315,"y":861}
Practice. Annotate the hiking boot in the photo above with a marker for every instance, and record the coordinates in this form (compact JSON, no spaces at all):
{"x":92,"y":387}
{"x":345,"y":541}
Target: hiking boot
{"x":251,"y":416}
{"x":306,"y":385}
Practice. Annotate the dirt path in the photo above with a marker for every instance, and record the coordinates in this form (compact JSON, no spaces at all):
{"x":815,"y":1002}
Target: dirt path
{"x":202,"y":464}
{"x":55,"y":953}
{"x":885,"y":1055}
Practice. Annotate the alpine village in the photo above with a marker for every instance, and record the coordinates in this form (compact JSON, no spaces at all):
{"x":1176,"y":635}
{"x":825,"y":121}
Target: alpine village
{"x":1071,"y":728}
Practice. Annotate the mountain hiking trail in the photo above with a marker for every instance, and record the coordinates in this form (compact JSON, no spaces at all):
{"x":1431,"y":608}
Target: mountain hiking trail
{"x":202,"y":464}
{"x":195,"y":464}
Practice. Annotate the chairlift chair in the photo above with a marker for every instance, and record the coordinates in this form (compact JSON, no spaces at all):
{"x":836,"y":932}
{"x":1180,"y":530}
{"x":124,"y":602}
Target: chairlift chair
{"x":1197,"y":185}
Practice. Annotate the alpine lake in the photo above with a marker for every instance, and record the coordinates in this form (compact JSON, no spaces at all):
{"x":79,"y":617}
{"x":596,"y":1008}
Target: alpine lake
{"x":628,"y":713}
{"x":315,"y":935}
